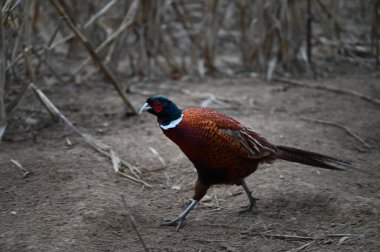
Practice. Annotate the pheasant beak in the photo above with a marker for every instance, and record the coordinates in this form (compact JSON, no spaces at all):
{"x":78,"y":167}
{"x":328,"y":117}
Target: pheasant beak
{"x":144,"y":107}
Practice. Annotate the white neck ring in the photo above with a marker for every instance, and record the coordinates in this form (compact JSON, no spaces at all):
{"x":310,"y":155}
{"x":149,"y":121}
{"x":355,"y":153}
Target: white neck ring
{"x":172,"y":124}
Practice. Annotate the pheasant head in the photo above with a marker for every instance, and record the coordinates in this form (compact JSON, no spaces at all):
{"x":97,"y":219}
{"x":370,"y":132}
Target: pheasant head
{"x":167,"y":112}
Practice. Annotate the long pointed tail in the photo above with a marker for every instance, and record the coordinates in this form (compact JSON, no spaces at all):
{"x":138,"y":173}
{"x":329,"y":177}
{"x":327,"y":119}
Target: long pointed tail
{"x":311,"y":158}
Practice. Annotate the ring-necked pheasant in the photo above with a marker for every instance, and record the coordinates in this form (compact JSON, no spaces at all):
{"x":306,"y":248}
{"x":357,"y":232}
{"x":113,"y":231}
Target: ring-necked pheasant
{"x":222,"y":150}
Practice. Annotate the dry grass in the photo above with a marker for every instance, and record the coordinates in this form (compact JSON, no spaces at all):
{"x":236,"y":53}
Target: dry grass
{"x":171,"y":39}
{"x":153,"y":39}
{"x":3,"y":118}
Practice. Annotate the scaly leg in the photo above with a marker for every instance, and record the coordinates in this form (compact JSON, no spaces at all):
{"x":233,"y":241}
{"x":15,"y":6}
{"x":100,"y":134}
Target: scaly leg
{"x":179,"y":220}
{"x":200,"y":190}
{"x":252,"y":201}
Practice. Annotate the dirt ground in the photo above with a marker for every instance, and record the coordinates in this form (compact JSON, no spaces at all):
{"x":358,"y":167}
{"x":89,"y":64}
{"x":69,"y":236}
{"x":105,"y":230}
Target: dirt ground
{"x":71,"y":200}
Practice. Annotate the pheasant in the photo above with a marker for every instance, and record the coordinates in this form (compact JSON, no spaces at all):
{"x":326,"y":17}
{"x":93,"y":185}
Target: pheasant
{"x":222,"y":150}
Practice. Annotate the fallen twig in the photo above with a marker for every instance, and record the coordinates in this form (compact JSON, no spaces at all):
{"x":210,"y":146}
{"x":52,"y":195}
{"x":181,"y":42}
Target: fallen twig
{"x":133,"y":223}
{"x":301,"y":247}
{"x":215,"y":198}
{"x":115,"y":161}
{"x":202,"y":240}
{"x":24,"y":172}
{"x":329,"y":88}
{"x":297,"y":237}
{"x":95,"y":144}
{"x":160,"y":159}
{"x":340,"y":127}
{"x":116,"y":164}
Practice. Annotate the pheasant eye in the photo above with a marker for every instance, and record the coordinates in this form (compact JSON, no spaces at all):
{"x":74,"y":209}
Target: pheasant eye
{"x":157,"y":106}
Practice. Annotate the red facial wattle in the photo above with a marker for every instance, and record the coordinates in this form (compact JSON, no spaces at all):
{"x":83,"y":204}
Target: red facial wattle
{"x":157,"y":106}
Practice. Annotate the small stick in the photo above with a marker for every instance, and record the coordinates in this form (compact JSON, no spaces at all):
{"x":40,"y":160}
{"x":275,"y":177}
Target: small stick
{"x":340,"y":127}
{"x":329,"y":88}
{"x":95,"y":144}
{"x":167,"y":179}
{"x":24,"y":172}
{"x":115,"y":161}
{"x":95,"y":57}
{"x":99,"y":13}
{"x":215,"y":197}
{"x":301,"y":247}
{"x":179,"y":181}
{"x":202,"y":240}
{"x":297,"y":237}
{"x":287,"y":237}
{"x":133,"y":223}
{"x":160,"y":159}
{"x":224,"y":226}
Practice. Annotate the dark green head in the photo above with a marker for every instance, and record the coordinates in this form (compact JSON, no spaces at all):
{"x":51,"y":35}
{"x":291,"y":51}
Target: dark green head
{"x":160,"y":106}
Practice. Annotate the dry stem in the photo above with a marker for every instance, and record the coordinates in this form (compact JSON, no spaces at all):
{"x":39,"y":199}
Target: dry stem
{"x":124,"y":25}
{"x":95,"y":144}
{"x":297,"y":237}
{"x":95,"y":57}
{"x":46,"y":48}
{"x":3,"y":117}
{"x":87,"y":24}
{"x":24,"y":172}
{"x":301,"y":247}
{"x":33,"y":79}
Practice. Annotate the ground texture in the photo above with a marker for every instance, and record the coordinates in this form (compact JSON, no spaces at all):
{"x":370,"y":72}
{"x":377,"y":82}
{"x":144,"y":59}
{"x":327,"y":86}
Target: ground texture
{"x":71,"y":200}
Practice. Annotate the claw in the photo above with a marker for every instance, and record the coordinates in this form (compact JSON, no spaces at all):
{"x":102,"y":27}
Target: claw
{"x":181,"y":218}
{"x":178,"y":222}
{"x":249,"y":208}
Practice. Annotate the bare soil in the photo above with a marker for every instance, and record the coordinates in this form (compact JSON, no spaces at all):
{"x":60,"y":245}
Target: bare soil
{"x":71,"y":200}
